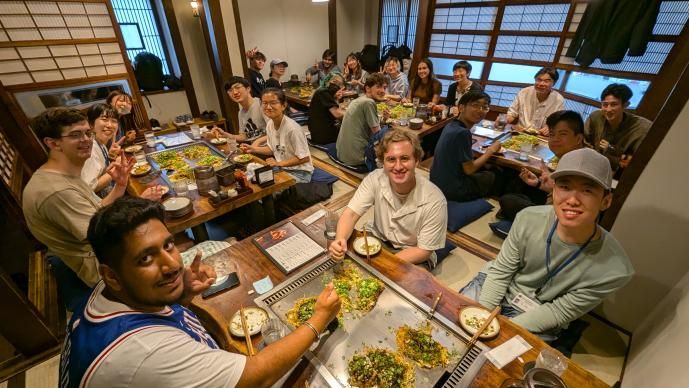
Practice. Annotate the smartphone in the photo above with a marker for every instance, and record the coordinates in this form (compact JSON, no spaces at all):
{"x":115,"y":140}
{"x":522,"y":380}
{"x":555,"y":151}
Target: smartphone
{"x":231,"y":282}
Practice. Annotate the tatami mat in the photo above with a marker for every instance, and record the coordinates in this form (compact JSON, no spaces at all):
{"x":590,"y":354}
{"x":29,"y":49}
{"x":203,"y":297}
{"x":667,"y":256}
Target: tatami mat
{"x":321,"y":155}
{"x":601,"y":350}
{"x":458,"y":268}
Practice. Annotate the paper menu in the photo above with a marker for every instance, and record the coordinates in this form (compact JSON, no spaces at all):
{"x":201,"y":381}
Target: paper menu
{"x":288,"y":246}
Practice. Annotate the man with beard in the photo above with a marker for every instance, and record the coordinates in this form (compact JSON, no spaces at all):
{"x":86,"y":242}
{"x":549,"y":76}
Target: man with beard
{"x":360,"y":129}
{"x":324,"y":111}
{"x":134,"y":330}
{"x":533,"y":104}
{"x":409,"y":212}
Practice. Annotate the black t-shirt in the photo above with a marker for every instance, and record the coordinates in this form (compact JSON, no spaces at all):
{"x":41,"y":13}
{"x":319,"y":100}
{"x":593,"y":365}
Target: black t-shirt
{"x":321,"y":121}
{"x":273,"y":83}
{"x":453,"y":150}
{"x":257,"y":83}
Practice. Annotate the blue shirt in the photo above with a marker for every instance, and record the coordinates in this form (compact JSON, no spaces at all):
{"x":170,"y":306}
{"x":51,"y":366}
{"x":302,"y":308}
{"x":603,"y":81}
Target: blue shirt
{"x":453,"y":150}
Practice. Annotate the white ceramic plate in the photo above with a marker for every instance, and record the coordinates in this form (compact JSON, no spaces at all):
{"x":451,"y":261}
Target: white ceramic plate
{"x":255,"y":316}
{"x":176,"y":203}
{"x":140,"y":169}
{"x":470,"y":318}
{"x":133,"y":148}
{"x":374,"y":245}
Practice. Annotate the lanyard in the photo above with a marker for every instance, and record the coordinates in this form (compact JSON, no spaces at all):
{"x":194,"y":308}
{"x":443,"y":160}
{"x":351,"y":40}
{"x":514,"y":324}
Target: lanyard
{"x":105,"y":154}
{"x":566,"y":262}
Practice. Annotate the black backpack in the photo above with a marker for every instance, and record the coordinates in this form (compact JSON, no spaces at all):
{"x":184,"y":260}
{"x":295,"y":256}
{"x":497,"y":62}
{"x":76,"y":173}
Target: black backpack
{"x":148,"y":70}
{"x":369,"y":58}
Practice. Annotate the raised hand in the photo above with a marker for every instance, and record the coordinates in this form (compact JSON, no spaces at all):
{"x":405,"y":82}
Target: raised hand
{"x":116,"y":148}
{"x":154,"y":193}
{"x":197,"y":278}
{"x":528,"y":177}
{"x":119,"y":170}
{"x":338,"y":248}
{"x":547,"y":183}
{"x":328,"y":303}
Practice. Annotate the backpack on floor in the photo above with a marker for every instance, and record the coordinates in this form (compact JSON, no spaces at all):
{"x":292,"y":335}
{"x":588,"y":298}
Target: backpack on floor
{"x":148,"y":70}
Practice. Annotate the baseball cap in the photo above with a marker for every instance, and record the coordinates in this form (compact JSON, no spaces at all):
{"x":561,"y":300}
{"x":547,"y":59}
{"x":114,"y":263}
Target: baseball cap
{"x":587,"y":163}
{"x":278,"y":61}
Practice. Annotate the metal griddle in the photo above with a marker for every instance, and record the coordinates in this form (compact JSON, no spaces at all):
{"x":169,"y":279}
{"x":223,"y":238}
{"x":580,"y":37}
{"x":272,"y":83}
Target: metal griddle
{"x":395,"y":307}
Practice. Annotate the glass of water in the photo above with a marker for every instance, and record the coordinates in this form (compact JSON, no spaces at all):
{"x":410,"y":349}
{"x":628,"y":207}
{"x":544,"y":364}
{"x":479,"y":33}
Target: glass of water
{"x":181,"y":188}
{"x":195,"y":131}
{"x":140,"y":156}
{"x":552,"y":360}
{"x":150,"y":139}
{"x":272,"y":330}
{"x":331,"y":219}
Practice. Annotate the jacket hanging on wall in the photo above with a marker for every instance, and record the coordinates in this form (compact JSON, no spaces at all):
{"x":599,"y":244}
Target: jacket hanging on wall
{"x":610,"y":28}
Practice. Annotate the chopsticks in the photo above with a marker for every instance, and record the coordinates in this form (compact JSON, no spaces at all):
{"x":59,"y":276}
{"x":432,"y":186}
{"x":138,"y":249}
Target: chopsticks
{"x":368,"y":255}
{"x":435,"y":305}
{"x":483,"y":327}
{"x":247,"y":337}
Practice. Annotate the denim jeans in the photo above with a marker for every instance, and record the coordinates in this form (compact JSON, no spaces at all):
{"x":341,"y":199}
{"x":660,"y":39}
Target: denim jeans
{"x":301,"y":176}
{"x":370,"y":151}
{"x":72,"y":290}
{"x":473,"y":290}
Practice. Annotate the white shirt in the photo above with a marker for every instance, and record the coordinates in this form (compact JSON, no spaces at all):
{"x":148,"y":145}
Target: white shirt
{"x":159,"y":356}
{"x":94,"y":166}
{"x":288,"y":142}
{"x":252,"y":121}
{"x":420,"y":221}
{"x":531,"y":112}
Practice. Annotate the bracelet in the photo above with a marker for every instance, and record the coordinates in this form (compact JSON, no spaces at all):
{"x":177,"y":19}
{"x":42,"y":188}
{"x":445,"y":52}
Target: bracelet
{"x":315,"y":332}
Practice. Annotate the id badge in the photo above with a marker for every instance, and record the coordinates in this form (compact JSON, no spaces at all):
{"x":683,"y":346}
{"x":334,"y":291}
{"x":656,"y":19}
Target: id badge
{"x":524,"y":303}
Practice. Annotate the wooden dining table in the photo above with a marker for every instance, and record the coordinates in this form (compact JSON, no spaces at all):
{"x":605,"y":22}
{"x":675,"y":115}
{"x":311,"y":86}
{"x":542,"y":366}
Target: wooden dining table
{"x":251,"y":264}
{"x":203,"y":209}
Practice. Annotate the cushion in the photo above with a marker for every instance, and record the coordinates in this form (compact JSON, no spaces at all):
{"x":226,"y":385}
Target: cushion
{"x":460,"y":214}
{"x":322,"y":147}
{"x":332,"y":153}
{"x":501,"y":228}
{"x":323,"y":176}
{"x":442,"y":253}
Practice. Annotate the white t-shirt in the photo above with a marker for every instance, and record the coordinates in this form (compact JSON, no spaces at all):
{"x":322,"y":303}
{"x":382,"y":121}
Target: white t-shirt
{"x":94,"y":166}
{"x":252,"y":122}
{"x":159,"y":356}
{"x":287,"y":142}
{"x":420,"y":221}
{"x":531,"y":112}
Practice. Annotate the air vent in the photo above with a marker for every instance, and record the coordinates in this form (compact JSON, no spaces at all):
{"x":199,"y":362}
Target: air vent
{"x":307,"y":277}
{"x":461,"y":370}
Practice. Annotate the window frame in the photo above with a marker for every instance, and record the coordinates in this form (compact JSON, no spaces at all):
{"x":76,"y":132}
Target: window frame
{"x":563,"y":36}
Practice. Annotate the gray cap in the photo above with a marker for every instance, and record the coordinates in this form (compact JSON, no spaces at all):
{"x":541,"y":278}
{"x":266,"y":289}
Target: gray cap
{"x":278,"y":61}
{"x":587,"y":163}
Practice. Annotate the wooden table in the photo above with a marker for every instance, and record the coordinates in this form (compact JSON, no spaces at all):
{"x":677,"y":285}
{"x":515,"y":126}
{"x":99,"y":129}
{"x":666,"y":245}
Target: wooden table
{"x":426,"y":129}
{"x":294,"y":98}
{"x":251,"y":265}
{"x":204,"y":211}
{"x":511,"y":158}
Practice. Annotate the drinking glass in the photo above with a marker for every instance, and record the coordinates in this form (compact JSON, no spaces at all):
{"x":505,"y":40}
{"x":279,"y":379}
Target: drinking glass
{"x":181,"y":188}
{"x":404,"y":118}
{"x":150,"y":139}
{"x":526,"y":148}
{"x":415,"y":102}
{"x":331,"y":219}
{"x":551,"y":360}
{"x":272,"y":330}
{"x":195,"y":131}
{"x":502,"y":121}
{"x":140,"y":156}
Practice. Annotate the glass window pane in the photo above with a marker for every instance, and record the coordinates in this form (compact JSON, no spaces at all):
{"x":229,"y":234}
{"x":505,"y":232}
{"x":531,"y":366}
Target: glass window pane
{"x":541,"y":17}
{"x":460,"y":44}
{"x":591,"y":86}
{"x":584,"y":109}
{"x":501,"y":95}
{"x":443,"y":66}
{"x":507,"y":72}
{"x":534,"y":48}
{"x":672,"y":17}
{"x":469,"y":18}
{"x":132,"y":37}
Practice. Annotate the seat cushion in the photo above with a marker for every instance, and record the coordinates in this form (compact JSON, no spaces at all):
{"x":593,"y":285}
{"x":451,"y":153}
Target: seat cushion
{"x":332,"y":154}
{"x":501,"y":228}
{"x":323,"y":176}
{"x":442,"y":253}
{"x":463,"y":213}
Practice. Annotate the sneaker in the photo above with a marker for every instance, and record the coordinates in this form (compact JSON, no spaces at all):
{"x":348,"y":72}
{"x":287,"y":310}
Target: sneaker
{"x":212,"y":115}
{"x":205,"y":115}
{"x":190,"y":120}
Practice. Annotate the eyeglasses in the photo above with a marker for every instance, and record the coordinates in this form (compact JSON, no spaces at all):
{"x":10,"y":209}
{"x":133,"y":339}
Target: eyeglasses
{"x":271,"y":103}
{"x":479,"y":106}
{"x":78,"y":135}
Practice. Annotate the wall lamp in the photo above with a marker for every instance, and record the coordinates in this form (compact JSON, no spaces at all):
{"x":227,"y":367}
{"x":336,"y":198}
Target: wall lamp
{"x":194,"y":8}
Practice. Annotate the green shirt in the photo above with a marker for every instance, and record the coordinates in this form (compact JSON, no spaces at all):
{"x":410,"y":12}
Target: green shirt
{"x":355,"y":130}
{"x":600,"y":270}
{"x":624,"y":139}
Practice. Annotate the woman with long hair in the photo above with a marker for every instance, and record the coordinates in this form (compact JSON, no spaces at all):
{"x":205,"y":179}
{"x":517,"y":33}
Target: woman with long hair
{"x":122,"y":103}
{"x":278,"y":68}
{"x":353,"y":73}
{"x":424,"y":85}
{"x":286,"y":141}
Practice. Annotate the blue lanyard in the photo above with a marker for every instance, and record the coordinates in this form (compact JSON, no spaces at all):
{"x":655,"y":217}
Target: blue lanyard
{"x":105,"y":153}
{"x":566,"y":262}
